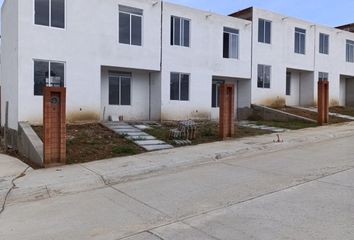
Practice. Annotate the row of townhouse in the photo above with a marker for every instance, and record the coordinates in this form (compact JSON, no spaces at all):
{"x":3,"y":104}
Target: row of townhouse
{"x":154,"y":60}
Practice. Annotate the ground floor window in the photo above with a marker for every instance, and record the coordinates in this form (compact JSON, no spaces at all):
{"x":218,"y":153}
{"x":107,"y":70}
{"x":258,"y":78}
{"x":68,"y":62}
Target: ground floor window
{"x":215,"y":94}
{"x":119,"y":88}
{"x":179,"y":86}
{"x":48,"y":73}
{"x":288,"y":83}
{"x":323,"y":76}
{"x":264,"y":74}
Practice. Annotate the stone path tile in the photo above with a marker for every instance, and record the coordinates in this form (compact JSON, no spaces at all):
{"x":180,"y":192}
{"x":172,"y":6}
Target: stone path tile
{"x":135,"y":134}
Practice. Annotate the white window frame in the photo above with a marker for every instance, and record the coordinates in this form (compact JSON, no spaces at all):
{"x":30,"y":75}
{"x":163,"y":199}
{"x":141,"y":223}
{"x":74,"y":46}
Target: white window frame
{"x":179,"y":86}
{"x":49,"y":68}
{"x":264,"y":31}
{"x":300,"y":32}
{"x":50,"y":16}
{"x":120,"y":75}
{"x":323,"y":76}
{"x":181,"y":31}
{"x":349,"y":51}
{"x":264,"y":74}
{"x":323,"y":48}
{"x":130,"y":25}
{"x":233,"y":34}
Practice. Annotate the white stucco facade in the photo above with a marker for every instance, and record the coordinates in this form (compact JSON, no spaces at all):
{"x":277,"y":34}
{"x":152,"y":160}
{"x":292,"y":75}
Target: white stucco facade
{"x":90,"y":50}
{"x":304,"y":68}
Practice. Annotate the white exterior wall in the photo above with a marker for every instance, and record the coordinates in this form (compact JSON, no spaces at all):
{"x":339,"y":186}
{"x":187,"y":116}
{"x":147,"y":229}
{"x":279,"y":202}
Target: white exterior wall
{"x":89,"y":41}
{"x":202,"y":60}
{"x":9,"y":61}
{"x":281,"y":56}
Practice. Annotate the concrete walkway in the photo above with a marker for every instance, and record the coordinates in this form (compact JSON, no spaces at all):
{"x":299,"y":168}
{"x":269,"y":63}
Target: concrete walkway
{"x":236,"y":190}
{"x":313,"y":109}
{"x":144,"y":140}
{"x":251,"y":124}
{"x":10,"y":169}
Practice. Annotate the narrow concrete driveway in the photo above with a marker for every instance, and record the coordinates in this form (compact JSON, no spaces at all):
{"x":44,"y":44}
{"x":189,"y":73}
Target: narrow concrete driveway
{"x":303,"y":192}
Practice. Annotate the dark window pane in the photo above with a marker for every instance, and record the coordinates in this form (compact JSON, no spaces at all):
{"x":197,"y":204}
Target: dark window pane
{"x":261,"y":30}
{"x":40,"y":75}
{"x":213,"y":95}
{"x":234,"y":46}
{"x":41,"y":12}
{"x":174,"y":88}
{"x":302,"y":43}
{"x":260,"y":76}
{"x":268,"y":32}
{"x":57,"y":74}
{"x":136,"y":30}
{"x":58,"y":13}
{"x":125,"y":91}
{"x":113,"y":90}
{"x":124,"y":28}
{"x":184,"y":87}
{"x":297,"y":43}
{"x":288,"y":83}
{"x":172,"y":30}
{"x":186,"y":33}
{"x":177,"y":31}
{"x":266,"y":77}
{"x":226,"y":45}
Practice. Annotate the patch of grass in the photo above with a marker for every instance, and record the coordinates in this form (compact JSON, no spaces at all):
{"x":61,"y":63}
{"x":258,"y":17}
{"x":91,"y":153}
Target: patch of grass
{"x":124,"y":150}
{"x":293,"y":124}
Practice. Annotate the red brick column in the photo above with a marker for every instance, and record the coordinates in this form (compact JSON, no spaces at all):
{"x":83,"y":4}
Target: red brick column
{"x":323,"y":102}
{"x":54,"y":125}
{"x":227,"y":111}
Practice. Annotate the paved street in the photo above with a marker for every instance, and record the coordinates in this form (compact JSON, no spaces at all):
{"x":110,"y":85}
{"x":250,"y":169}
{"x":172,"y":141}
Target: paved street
{"x":298,"y":192}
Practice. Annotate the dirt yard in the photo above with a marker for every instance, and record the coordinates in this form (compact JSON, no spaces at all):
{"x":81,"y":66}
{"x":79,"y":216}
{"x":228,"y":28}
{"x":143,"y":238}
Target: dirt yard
{"x":343,"y":110}
{"x":310,"y":114}
{"x":207,"y":131}
{"x":89,"y":142}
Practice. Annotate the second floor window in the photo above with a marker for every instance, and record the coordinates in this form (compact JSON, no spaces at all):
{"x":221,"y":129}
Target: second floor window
{"x":180,"y":31}
{"x":49,"y":13}
{"x":264,"y":31}
{"x":350,"y":51}
{"x":130,"y":25}
{"x":231,"y":43}
{"x":300,"y":40}
{"x":324,"y":43}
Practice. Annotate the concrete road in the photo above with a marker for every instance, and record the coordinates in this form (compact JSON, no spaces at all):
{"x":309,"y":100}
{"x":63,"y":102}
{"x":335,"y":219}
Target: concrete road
{"x":303,"y":192}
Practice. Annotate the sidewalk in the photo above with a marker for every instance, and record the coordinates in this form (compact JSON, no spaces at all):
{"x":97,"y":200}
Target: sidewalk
{"x":46,"y":183}
{"x":10,"y":168}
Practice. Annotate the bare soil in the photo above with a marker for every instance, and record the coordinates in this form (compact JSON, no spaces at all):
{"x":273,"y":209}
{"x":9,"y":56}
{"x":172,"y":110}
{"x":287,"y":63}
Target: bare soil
{"x":343,"y":110}
{"x":90,"y":142}
{"x":207,"y":131}
{"x":310,"y":114}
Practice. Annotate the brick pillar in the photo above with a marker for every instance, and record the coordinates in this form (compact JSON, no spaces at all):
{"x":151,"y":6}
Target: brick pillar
{"x":323,"y":102}
{"x":54,"y":125}
{"x":227,"y":112}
